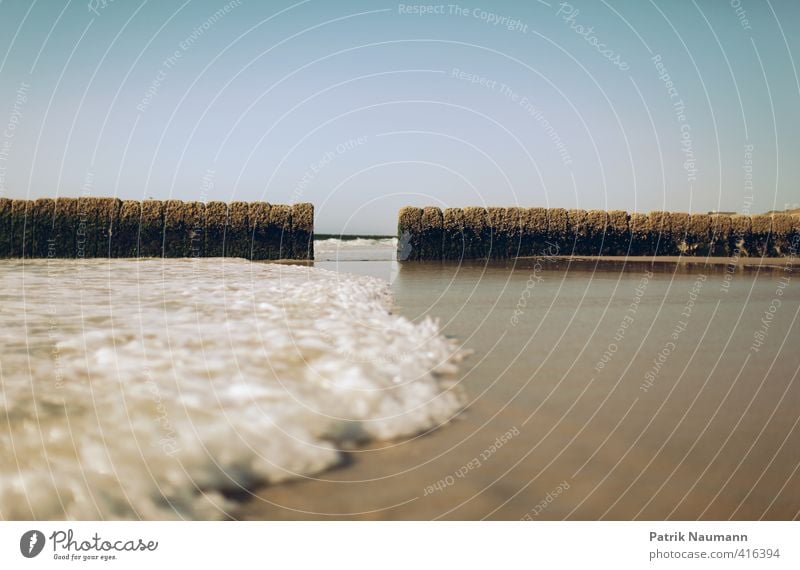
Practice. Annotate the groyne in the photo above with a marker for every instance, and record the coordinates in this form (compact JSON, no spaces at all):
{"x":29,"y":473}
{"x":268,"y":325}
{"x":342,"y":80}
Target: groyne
{"x":501,"y":233}
{"x":109,"y":227}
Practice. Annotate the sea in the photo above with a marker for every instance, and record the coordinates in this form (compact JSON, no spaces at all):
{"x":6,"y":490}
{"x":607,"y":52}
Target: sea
{"x":359,"y":388}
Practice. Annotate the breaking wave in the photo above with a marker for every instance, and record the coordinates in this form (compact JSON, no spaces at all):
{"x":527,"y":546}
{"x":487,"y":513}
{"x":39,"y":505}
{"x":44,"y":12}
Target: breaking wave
{"x":157,"y":388}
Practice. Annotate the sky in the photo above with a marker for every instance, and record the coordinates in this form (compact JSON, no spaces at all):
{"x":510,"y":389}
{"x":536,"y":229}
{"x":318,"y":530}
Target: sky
{"x":364,"y":107}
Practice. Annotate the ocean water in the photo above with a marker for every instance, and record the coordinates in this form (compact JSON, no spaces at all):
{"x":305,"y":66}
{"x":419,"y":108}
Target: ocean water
{"x":173,"y":388}
{"x":371,"y":257}
{"x":597,"y":389}
{"x":211,"y":388}
{"x":358,"y":249}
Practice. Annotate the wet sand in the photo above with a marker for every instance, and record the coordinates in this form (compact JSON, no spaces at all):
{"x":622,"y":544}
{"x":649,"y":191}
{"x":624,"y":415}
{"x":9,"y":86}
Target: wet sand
{"x":597,"y":391}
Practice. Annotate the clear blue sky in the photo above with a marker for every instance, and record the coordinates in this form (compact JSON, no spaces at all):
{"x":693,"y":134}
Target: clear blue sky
{"x":363,"y":107}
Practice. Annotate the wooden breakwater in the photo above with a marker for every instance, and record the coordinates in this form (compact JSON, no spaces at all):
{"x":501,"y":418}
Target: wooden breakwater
{"x":499,"y":233}
{"x":109,"y":227}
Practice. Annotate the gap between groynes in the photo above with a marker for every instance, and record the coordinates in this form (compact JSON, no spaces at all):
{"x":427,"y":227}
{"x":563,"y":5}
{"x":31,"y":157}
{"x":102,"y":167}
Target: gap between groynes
{"x":108,"y":227}
{"x":502,"y":233}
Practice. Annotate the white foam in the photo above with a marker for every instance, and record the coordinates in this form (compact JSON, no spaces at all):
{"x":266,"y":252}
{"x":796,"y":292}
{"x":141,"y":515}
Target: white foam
{"x":333,"y":244}
{"x":148,"y":389}
{"x":358,"y":249}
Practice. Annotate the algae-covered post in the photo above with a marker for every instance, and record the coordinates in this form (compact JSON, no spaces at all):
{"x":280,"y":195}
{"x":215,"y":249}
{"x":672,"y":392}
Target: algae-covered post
{"x":619,"y":233}
{"x":96,"y":218}
{"x":303,"y":230}
{"x":258,"y":218}
{"x":679,"y":228}
{"x":280,"y":225}
{"x":5,"y":227}
{"x":558,"y":231}
{"x":216,"y":222}
{"x":578,"y":235}
{"x":173,"y":228}
{"x":477,"y":232}
{"x":512,"y":226}
{"x":432,"y":233}
{"x":698,"y":235}
{"x":758,"y":242}
{"x":21,"y":228}
{"x":499,"y":242}
{"x":640,"y":239}
{"x":108,"y":227}
{"x":237,"y":235}
{"x":660,"y":232}
{"x":409,"y":234}
{"x":125,"y":239}
{"x":65,"y":228}
{"x":483,"y":233}
{"x":183,"y":222}
{"x":739,"y":235}
{"x":453,"y":234}
{"x":720,"y":235}
{"x":106,"y":215}
{"x":43,"y":215}
{"x":151,"y":230}
{"x":597,"y":225}
{"x":781,"y":241}
{"x":793,"y":245}
{"x":535,"y":231}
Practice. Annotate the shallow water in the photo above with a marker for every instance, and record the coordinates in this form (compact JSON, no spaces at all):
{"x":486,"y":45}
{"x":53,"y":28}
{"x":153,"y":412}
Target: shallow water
{"x":211,"y":388}
{"x":596,"y":391}
{"x":171,"y":388}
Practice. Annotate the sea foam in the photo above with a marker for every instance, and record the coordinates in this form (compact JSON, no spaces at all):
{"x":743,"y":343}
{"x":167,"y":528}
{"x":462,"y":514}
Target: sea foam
{"x":157,"y":388}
